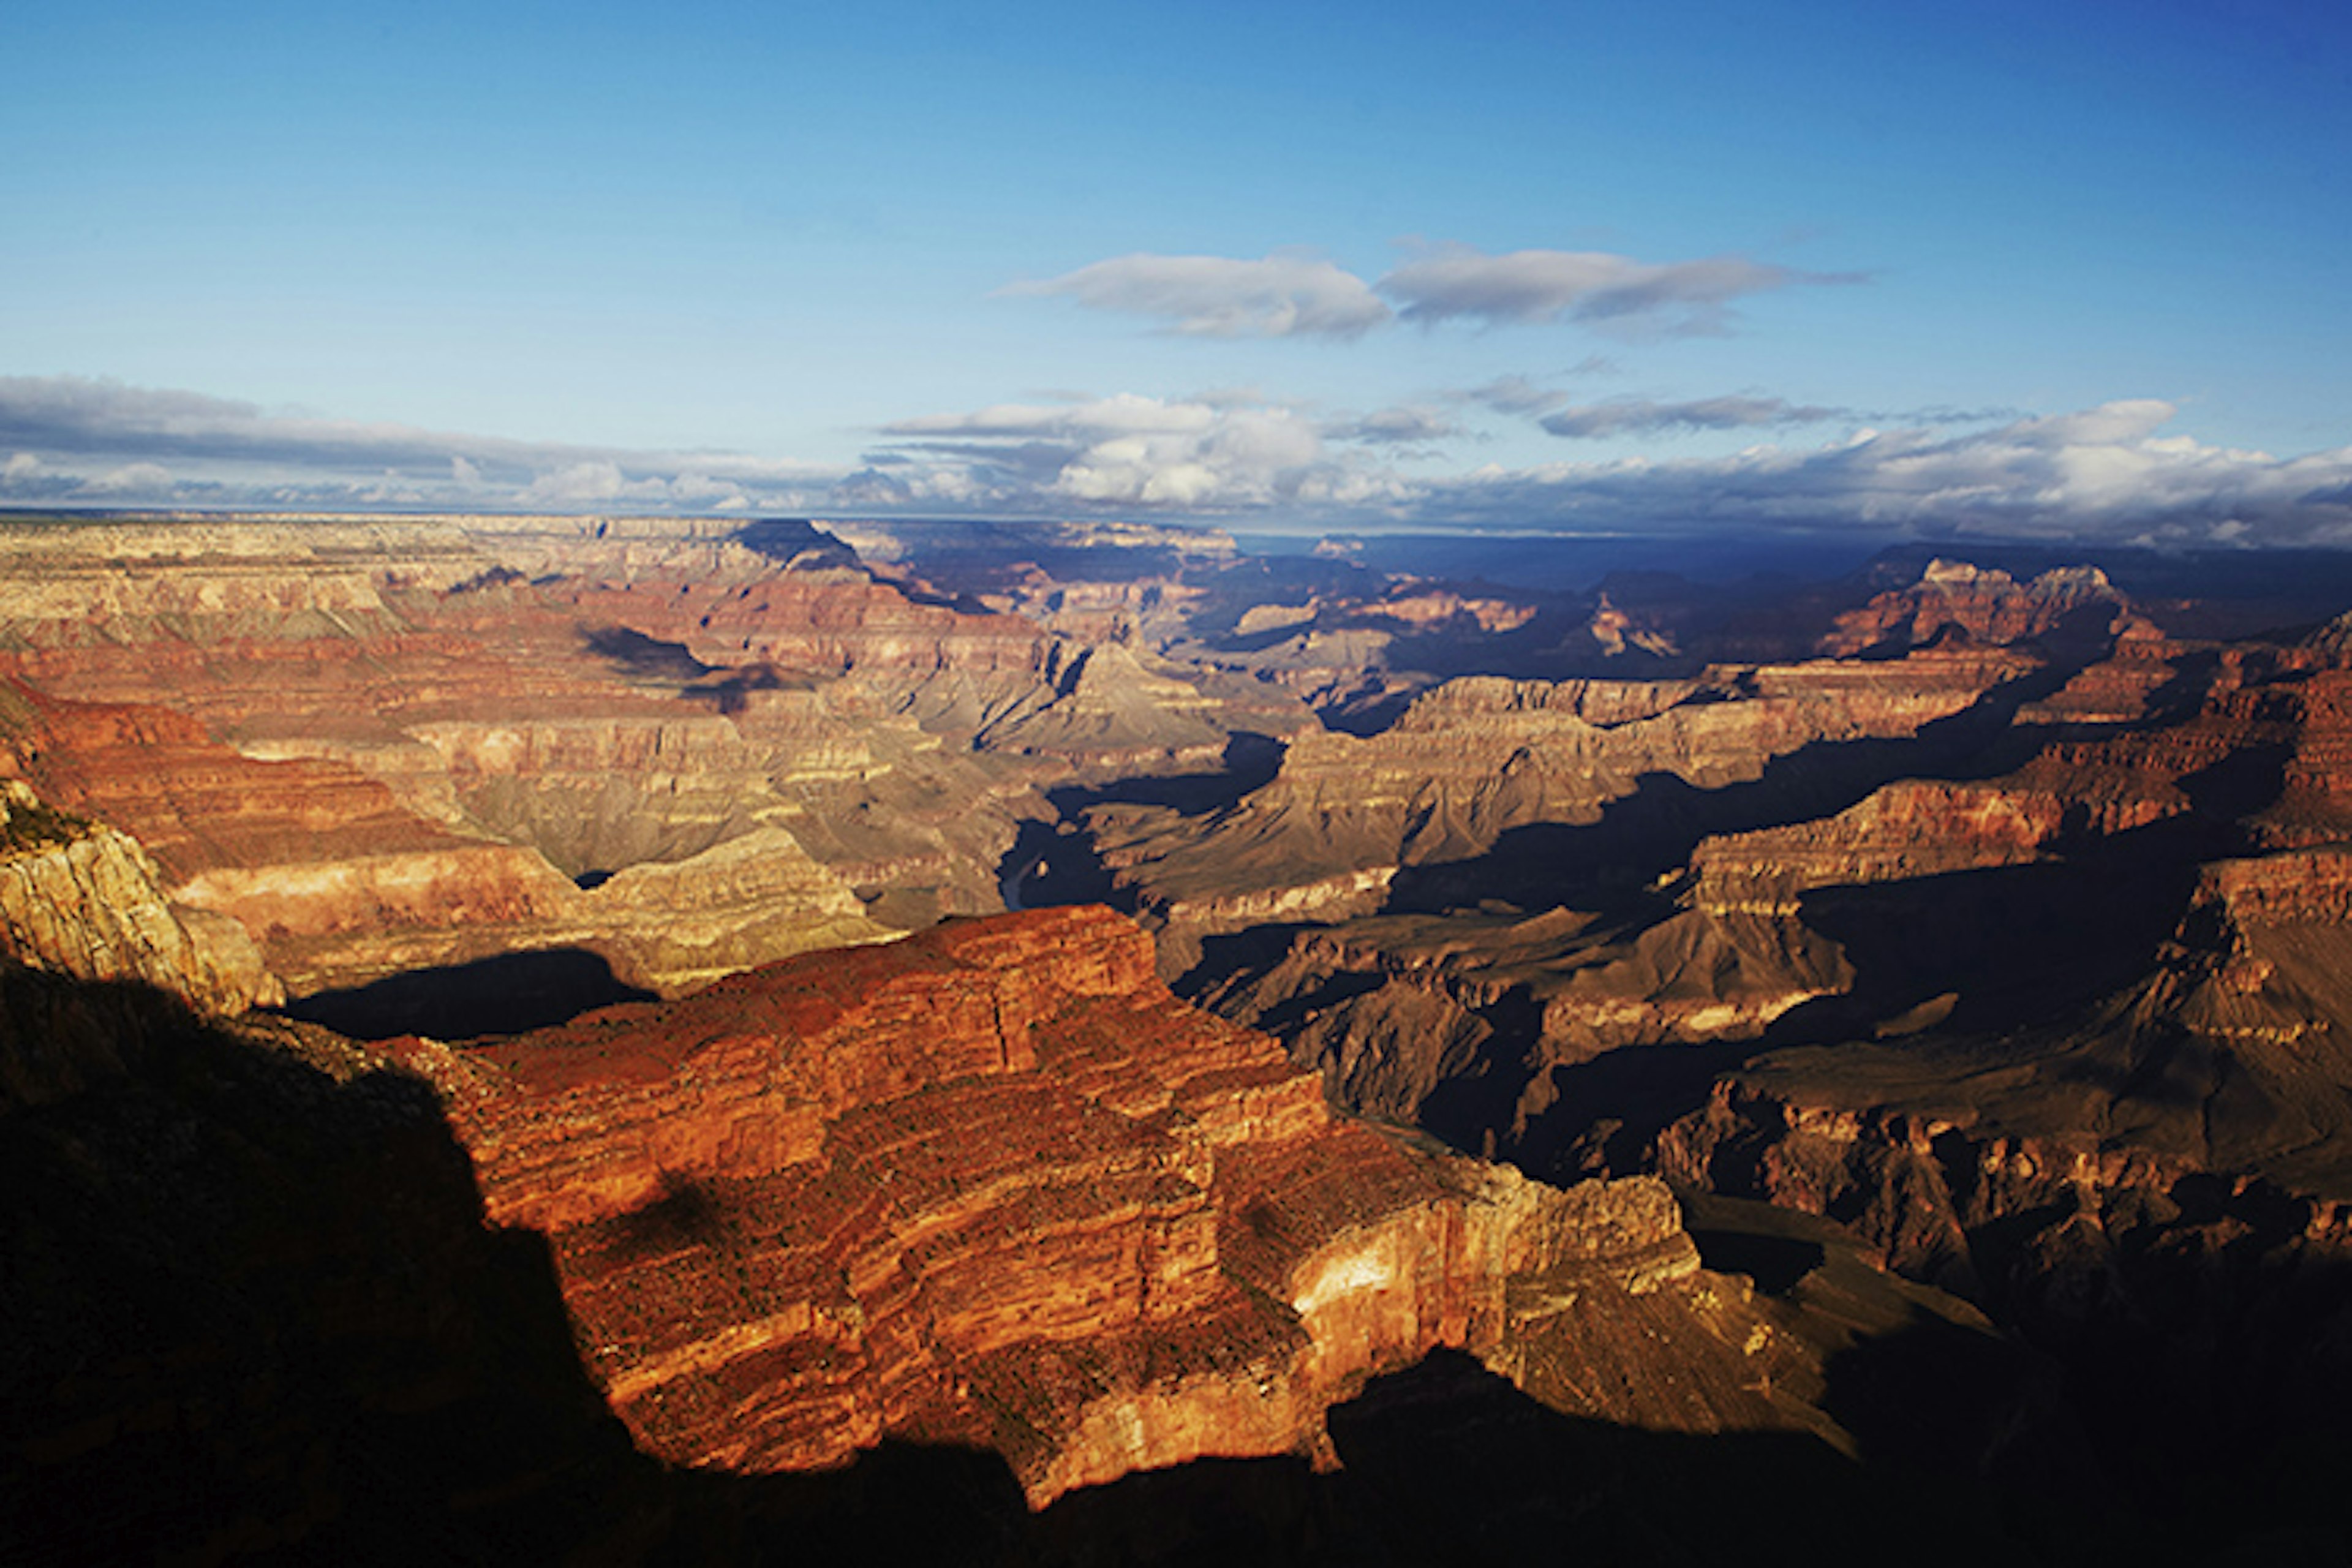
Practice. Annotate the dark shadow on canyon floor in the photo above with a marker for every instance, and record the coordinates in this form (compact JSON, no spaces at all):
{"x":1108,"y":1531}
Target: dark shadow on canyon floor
{"x":633,"y":654}
{"x":2013,"y":945}
{"x":507,"y":994}
{"x":1057,"y":863}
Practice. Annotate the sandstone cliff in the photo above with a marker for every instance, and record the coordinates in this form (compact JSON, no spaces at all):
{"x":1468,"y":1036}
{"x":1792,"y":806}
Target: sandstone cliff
{"x":994,"y":1185}
{"x":1479,"y":758}
{"x":78,"y":897}
{"x":385,"y":746}
{"x":2069,"y":604}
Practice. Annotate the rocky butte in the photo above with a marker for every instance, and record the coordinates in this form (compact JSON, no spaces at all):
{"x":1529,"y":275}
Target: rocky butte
{"x":994,"y":1185}
{"x":992,"y":1190}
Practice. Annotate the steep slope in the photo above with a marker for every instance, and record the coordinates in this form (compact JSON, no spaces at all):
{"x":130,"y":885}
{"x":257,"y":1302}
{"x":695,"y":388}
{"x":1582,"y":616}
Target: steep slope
{"x":1475,"y":760}
{"x":2050,"y":1013}
{"x":994,"y":1185}
{"x":318,"y":867}
{"x":78,"y":897}
{"x":2067,"y":603}
{"x":685,"y":746}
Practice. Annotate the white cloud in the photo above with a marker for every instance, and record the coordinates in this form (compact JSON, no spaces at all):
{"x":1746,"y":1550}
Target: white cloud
{"x":145,"y":480}
{"x":1125,"y":450}
{"x":2126,"y":420}
{"x":1636,"y":415}
{"x":577,"y":484}
{"x":1278,"y":296}
{"x":1286,"y":294}
{"x":700,"y":490}
{"x":1514,"y":395}
{"x":1613,"y":293}
{"x":1125,"y":412}
{"x":1404,"y":426}
{"x":223,"y":452}
{"x":2100,"y":473}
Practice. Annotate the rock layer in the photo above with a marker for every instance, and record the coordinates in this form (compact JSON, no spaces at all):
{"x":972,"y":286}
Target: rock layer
{"x":78,"y":897}
{"x":1338,"y":829}
{"x":994,"y":1184}
{"x":391,"y":745}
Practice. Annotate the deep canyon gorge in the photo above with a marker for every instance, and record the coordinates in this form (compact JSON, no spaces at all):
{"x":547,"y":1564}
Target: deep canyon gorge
{"x":625,"y":1039}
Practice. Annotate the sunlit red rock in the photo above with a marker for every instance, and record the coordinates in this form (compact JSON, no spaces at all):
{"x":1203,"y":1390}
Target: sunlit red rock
{"x":394,"y":745}
{"x":1987,"y":605}
{"x":994,"y":1184}
{"x":78,"y":897}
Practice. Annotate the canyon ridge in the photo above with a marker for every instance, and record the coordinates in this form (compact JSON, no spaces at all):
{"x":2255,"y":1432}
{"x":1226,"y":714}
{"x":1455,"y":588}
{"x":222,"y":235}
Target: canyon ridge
{"x":655,"y":1039}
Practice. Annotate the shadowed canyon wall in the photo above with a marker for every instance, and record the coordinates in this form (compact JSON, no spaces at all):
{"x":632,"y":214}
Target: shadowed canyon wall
{"x":1986,"y":924}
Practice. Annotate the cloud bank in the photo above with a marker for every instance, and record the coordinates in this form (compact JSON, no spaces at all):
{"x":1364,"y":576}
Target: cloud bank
{"x":2101,"y":473}
{"x":1404,"y":426}
{"x":1220,"y":455}
{"x":1641,"y":417}
{"x":1615,"y":293}
{"x":2107,"y":472}
{"x":2115,"y":471}
{"x":76,"y":440}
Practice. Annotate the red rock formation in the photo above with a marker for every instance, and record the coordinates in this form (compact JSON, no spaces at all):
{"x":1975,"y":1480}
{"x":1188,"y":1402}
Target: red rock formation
{"x":1915,"y":827}
{"x":2142,"y":666}
{"x":1987,"y":605}
{"x":1479,"y":756}
{"x":994,"y":1184}
{"x":394,"y":745}
{"x":318,"y":866}
{"x":78,"y":897}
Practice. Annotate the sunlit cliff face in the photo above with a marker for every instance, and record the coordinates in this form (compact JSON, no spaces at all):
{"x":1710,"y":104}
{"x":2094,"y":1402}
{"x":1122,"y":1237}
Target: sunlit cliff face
{"x":996,"y":1168}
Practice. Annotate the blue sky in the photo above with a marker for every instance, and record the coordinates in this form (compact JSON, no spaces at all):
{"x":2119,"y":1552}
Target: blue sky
{"x":2054,"y":269}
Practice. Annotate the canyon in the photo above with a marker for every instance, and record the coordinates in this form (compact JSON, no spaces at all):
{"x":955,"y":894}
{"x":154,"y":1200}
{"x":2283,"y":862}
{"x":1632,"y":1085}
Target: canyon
{"x":1165,"y":1026}
{"x":995,"y":1185}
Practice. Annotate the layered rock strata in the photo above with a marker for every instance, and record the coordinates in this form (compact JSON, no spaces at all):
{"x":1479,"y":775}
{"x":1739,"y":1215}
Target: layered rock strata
{"x":995,"y":1185}
{"x":78,"y":897}
{"x":309,"y":871}
{"x":1477,"y":758}
{"x":687,"y":746}
{"x":1985,"y":605}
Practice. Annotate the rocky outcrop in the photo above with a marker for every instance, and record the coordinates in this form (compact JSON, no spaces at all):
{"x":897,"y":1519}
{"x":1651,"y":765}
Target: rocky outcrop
{"x":1477,"y":758}
{"x":1463,"y":1023}
{"x":1917,"y":827}
{"x":994,"y":1185}
{"x":2069,"y":604}
{"x":254,"y":1315}
{"x":2257,"y":971}
{"x":83,"y":582}
{"x":312,"y":869}
{"x":78,"y":897}
{"x":389,"y":746}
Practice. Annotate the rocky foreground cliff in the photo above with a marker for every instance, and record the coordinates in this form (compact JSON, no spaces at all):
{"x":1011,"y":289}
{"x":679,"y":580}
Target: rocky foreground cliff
{"x":995,"y":1186}
{"x":883,"y":1253}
